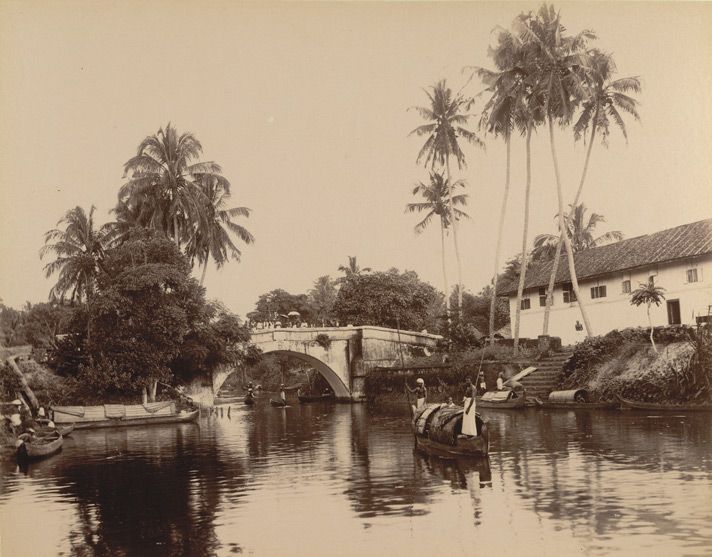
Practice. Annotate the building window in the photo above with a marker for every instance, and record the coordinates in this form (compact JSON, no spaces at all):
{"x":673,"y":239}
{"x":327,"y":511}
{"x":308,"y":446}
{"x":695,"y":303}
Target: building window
{"x":598,"y":292}
{"x":692,"y":275}
{"x":526,"y":303}
{"x":542,"y":297}
{"x":626,"y":287}
{"x":569,"y":296}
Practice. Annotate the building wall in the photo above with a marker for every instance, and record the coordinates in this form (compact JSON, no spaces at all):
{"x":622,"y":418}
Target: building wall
{"x":614,"y":311}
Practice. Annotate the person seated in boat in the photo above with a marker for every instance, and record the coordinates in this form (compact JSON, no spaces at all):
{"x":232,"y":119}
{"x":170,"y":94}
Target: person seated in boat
{"x":450,"y":403}
{"x":469,"y":418}
{"x":250,"y":393}
{"x":482,"y":383}
{"x":500,"y":381}
{"x":421,"y":393}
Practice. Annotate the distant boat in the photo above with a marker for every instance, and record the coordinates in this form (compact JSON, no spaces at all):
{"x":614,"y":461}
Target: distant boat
{"x":249,"y":400}
{"x":501,"y":400}
{"x":40,"y":446}
{"x":120,"y":415}
{"x":274,"y":402}
{"x":438,"y":428}
{"x":664,"y":407}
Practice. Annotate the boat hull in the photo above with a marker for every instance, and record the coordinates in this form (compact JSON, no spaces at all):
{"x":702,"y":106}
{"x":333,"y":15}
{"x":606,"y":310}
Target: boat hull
{"x":577,"y":405}
{"x":635,"y":405}
{"x":173,"y":419}
{"x":518,"y":402}
{"x":37,"y":451}
{"x":465,"y":446}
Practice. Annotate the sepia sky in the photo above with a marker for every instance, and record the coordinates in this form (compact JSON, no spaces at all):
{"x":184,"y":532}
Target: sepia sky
{"x":304,"y":106}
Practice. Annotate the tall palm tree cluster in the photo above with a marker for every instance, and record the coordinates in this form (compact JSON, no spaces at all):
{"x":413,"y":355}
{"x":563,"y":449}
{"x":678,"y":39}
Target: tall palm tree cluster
{"x":167,"y":189}
{"x":542,"y":77}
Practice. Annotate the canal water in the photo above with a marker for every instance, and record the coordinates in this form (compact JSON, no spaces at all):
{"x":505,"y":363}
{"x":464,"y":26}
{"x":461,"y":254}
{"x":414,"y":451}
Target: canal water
{"x":344,"y":480}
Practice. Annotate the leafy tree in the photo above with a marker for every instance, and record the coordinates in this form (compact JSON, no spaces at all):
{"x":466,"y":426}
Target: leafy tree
{"x":164,"y":180}
{"x":389,"y":299}
{"x":276,"y":305}
{"x":648,"y":294}
{"x":436,"y":203}
{"x":322,"y":298}
{"x":446,"y":119}
{"x":43,"y":322}
{"x":12,"y":323}
{"x":146,"y":305}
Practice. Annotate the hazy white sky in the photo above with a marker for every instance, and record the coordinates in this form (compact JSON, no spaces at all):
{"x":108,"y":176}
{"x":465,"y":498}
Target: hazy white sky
{"x":304,"y":105}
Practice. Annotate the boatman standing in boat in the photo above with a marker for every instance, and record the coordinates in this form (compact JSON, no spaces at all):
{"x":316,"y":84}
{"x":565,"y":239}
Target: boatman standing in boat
{"x":469,"y":419}
{"x":282,"y":394}
{"x":420,"y":391}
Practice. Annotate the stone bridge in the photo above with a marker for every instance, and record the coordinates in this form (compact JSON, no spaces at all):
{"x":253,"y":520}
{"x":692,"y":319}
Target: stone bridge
{"x":343,"y":355}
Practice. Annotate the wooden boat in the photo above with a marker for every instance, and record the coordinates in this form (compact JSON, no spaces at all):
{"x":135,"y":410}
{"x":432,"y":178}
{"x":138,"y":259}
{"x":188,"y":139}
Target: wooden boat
{"x":501,"y":400}
{"x":315,"y":398}
{"x":438,"y":428}
{"x":660,"y":407}
{"x":576,"y":405}
{"x":66,"y":430}
{"x":119,"y":415}
{"x":249,"y":400}
{"x":40,"y":447}
{"x":274,"y":402}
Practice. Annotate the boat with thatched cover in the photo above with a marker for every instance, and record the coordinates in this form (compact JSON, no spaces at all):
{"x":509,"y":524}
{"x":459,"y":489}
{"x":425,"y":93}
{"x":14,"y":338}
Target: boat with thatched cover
{"x":664,"y":407}
{"x":120,"y":415}
{"x":573,"y":399}
{"x":39,"y":446}
{"x":438,"y":431}
{"x":501,"y":399}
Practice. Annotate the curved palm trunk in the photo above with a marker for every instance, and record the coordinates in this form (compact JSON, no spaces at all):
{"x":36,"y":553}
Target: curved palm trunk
{"x":650,"y":321}
{"x":454,"y":238}
{"x":500,"y":229}
{"x":525,"y":233}
{"x":205,"y":268}
{"x":564,"y":235}
{"x":447,"y":285}
{"x":557,"y":256}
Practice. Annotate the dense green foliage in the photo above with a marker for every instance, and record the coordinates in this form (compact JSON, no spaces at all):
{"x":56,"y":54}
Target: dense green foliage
{"x":391,"y":299}
{"x":277,"y":304}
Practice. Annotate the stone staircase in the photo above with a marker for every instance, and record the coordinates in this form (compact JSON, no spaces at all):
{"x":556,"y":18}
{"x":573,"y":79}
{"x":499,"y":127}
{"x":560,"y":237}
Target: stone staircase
{"x":546,"y":377}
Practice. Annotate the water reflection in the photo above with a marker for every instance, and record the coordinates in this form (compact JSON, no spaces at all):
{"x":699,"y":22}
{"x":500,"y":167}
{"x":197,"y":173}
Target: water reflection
{"x":308,"y":477}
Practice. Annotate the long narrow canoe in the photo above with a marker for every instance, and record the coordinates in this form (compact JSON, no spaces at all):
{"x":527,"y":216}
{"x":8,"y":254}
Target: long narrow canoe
{"x":501,"y":400}
{"x":40,"y":447}
{"x":575,"y":405}
{"x":636,"y":405}
{"x":87,"y":417}
{"x":438,"y":431}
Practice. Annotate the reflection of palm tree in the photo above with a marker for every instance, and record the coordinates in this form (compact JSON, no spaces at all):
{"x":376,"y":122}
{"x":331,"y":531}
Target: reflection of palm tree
{"x":446,"y":117}
{"x":436,"y":196}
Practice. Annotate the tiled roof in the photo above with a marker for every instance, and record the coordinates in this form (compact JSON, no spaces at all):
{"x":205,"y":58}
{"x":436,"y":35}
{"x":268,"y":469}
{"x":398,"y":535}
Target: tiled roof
{"x":681,"y":242}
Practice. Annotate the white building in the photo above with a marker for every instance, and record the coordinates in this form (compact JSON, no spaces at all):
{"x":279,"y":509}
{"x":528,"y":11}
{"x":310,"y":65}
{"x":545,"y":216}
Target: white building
{"x":678,"y":259}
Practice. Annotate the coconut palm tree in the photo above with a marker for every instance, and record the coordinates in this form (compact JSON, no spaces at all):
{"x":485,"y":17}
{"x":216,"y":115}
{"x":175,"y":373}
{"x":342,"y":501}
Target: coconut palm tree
{"x":163,"y":180}
{"x":436,"y":196}
{"x":560,"y":64}
{"x":78,"y":248}
{"x":352,"y":269}
{"x":445,"y":118}
{"x":500,"y":114}
{"x":602,"y":103}
{"x":211,"y":235}
{"x":648,"y":294}
{"x":581,"y":232}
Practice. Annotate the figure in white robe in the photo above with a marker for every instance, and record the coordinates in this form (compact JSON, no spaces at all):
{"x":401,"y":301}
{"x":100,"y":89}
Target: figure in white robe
{"x":469,"y":418}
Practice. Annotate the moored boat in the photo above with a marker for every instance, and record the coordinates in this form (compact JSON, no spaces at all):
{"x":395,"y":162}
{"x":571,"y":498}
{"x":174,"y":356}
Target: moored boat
{"x":438,"y":431}
{"x":501,"y":399}
{"x":573,"y":399}
{"x":39,"y":446}
{"x":120,"y":415}
{"x":663,"y":407}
